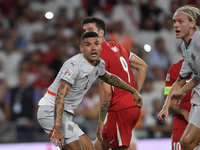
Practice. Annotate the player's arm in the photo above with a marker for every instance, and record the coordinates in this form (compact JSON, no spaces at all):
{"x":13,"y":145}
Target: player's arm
{"x":63,"y":90}
{"x":190,"y":85}
{"x":175,"y":87}
{"x":117,"y":82}
{"x":179,"y":95}
{"x":178,"y":110}
{"x":141,"y":70}
{"x":105,"y":98}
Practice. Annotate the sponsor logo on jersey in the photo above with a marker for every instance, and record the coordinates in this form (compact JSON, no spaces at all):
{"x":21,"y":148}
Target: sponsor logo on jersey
{"x":168,"y":77}
{"x":68,"y":73}
{"x":112,"y":141}
{"x":114,"y":49}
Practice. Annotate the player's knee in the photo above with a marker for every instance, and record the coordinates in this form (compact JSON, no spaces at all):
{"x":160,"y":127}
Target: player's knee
{"x":186,"y":142}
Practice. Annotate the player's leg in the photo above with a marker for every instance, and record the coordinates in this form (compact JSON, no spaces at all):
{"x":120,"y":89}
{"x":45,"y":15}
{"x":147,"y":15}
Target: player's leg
{"x":121,"y":124}
{"x":86,"y":142}
{"x":133,"y":142}
{"x":101,"y":146}
{"x":98,"y":145}
{"x":75,"y":145}
{"x":191,"y":137}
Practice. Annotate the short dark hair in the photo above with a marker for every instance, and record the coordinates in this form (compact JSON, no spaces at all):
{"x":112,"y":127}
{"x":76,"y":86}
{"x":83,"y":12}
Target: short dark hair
{"x":88,"y":35}
{"x":99,"y":23}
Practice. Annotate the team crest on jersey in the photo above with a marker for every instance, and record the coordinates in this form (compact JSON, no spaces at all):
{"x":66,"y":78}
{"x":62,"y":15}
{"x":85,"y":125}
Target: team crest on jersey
{"x":193,"y":57}
{"x":114,"y":49}
{"x":68,"y":73}
{"x":168,"y":77}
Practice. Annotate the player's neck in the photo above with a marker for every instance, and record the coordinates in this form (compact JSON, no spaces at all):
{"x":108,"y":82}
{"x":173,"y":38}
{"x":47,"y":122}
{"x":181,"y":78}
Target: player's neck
{"x":102,"y":40}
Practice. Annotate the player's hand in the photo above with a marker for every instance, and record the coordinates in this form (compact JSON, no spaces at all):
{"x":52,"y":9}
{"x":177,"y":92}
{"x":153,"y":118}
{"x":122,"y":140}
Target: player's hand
{"x":176,"y":97}
{"x":99,"y":131}
{"x":163,"y":114}
{"x":138,"y":99}
{"x":57,"y":137}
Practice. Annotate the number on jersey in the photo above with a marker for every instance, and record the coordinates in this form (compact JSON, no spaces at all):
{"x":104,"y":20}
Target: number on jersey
{"x":125,"y":67}
{"x":176,"y":146}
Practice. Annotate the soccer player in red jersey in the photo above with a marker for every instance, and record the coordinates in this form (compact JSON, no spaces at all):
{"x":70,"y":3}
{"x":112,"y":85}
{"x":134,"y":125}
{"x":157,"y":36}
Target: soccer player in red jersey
{"x":123,"y":111}
{"x":181,"y":112}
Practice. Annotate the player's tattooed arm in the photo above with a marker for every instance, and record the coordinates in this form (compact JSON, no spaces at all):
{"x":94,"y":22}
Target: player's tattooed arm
{"x":104,"y":109}
{"x":117,"y":82}
{"x":63,"y":90}
{"x":176,"y":109}
{"x":180,"y":111}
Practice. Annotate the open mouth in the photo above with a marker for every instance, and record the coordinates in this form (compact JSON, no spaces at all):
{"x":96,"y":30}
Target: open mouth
{"x":94,"y":54}
{"x":177,"y":31}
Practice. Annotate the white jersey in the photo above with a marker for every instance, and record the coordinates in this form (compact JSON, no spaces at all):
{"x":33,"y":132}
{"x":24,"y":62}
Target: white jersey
{"x":191,"y":63}
{"x":80,"y":75}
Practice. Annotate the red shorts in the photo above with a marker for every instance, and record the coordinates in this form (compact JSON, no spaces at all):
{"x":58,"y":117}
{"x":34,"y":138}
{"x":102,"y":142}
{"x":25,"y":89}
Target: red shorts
{"x":176,"y":136}
{"x":119,"y":125}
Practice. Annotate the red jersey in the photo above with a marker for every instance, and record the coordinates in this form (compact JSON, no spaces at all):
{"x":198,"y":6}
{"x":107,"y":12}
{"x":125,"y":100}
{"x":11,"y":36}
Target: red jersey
{"x":116,"y":59}
{"x":172,"y":75}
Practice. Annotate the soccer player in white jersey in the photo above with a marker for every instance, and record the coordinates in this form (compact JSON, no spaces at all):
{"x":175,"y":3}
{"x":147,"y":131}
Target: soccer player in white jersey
{"x":184,"y":21}
{"x":66,"y":92}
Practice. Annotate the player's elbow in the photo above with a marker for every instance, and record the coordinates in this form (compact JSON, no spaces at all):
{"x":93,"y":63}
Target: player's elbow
{"x":107,"y":95}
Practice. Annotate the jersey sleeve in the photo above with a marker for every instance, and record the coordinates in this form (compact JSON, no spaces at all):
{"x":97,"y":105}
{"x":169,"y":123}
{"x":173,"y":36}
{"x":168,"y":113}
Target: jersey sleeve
{"x":186,"y":71}
{"x":102,"y":68}
{"x":70,"y":72}
{"x":197,"y":43}
{"x":171,"y":77}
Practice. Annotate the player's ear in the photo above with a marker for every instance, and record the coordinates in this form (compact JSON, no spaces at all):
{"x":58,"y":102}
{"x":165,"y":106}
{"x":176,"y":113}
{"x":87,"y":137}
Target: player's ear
{"x":81,"y":48}
{"x":101,"y":33}
{"x":192,"y":24}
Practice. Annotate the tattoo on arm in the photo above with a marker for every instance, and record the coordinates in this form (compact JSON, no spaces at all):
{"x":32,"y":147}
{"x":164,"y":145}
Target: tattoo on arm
{"x":59,"y":104}
{"x":176,"y":109}
{"x":117,"y":82}
{"x":104,"y":109}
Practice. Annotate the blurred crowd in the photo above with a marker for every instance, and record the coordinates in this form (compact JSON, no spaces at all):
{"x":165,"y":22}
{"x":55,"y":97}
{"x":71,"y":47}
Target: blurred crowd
{"x":33,"y":48}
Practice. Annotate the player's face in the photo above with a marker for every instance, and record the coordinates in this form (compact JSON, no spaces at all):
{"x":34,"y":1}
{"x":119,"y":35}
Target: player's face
{"x":182,"y":25}
{"x":91,"y":49}
{"x":91,"y":27}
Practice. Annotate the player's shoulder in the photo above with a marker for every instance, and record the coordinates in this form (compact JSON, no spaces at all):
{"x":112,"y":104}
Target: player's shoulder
{"x":177,"y":65}
{"x":74,"y":60}
{"x":196,"y":38}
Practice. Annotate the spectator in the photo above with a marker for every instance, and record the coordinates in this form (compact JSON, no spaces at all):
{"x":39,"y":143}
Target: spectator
{"x":155,"y":128}
{"x":120,"y":36}
{"x":171,"y":42}
{"x":10,"y":60}
{"x":157,"y":59}
{"x":147,"y":35}
{"x":21,"y":106}
{"x":149,"y":94}
{"x":44,"y":79}
{"x":150,"y":10}
{"x":129,"y":13}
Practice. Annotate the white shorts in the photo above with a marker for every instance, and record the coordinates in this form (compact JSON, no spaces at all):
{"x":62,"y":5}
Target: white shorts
{"x":71,"y":131}
{"x":194,"y":116}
